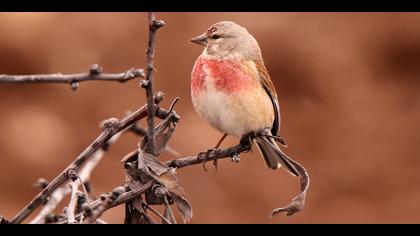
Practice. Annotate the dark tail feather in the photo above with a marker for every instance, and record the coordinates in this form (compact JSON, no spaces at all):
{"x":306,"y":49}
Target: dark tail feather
{"x":273,"y":156}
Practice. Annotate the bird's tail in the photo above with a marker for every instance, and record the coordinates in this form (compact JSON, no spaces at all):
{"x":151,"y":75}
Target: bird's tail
{"x":273,"y":156}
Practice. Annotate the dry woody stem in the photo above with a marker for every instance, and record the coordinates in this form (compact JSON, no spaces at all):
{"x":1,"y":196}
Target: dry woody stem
{"x":148,"y":180}
{"x":111,"y":127}
{"x":95,"y":73}
{"x":154,"y":25}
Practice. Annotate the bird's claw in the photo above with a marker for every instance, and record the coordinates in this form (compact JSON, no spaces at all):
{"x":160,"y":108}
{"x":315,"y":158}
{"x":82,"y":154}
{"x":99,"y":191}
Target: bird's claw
{"x":205,"y":156}
{"x":235,"y":158}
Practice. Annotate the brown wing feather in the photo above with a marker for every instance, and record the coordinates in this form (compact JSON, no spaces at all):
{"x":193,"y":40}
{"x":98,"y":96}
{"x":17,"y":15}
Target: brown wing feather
{"x":271,"y":91}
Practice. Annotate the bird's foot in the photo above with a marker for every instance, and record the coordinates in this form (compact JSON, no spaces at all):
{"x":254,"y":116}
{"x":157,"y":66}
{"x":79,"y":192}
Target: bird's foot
{"x":235,"y":158}
{"x":246,"y":141}
{"x":205,"y":156}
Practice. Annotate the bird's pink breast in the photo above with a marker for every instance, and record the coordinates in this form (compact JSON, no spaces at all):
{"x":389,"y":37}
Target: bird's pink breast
{"x":229,"y":76}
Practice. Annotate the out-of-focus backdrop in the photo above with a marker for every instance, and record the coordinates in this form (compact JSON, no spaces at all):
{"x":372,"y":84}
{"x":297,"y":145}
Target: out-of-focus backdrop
{"x":348,"y":87}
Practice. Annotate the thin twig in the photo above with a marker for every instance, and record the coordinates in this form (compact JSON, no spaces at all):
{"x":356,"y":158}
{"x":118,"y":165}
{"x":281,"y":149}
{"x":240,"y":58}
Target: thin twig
{"x":109,"y":201}
{"x":158,"y":214}
{"x":85,"y":171}
{"x":138,"y":130}
{"x":214,"y":155}
{"x":231,"y":152}
{"x":168,"y":210}
{"x":95,"y":73}
{"x":111,"y":127}
{"x":125,"y":197}
{"x":101,"y":222}
{"x":121,"y":199}
{"x":56,"y":197}
{"x":71,"y":209}
{"x":148,"y":84}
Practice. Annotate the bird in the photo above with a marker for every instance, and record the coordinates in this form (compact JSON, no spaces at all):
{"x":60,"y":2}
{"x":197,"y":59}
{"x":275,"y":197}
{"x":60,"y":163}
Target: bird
{"x":231,"y":89}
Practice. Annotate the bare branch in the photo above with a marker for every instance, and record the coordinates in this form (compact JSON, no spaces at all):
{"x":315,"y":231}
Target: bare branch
{"x":214,"y":155}
{"x":85,"y":171}
{"x":56,"y":197}
{"x":143,"y":169}
{"x":108,"y":203}
{"x":95,"y":73}
{"x":158,"y":214}
{"x":71,"y":209}
{"x":154,"y":25}
{"x":121,"y":199}
{"x":111,"y":127}
{"x":126,"y":197}
{"x":101,"y":222}
{"x":232,"y":152}
{"x":138,"y":130}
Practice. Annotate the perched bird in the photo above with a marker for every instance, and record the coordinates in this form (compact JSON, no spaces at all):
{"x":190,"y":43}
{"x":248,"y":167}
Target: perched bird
{"x":232,"y":90}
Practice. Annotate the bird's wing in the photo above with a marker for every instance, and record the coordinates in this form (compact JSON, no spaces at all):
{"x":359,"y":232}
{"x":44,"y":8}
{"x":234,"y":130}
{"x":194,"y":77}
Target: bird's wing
{"x":271,"y":91}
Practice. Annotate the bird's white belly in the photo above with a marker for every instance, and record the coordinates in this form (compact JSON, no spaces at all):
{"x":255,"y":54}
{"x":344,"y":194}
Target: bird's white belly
{"x":237,"y":113}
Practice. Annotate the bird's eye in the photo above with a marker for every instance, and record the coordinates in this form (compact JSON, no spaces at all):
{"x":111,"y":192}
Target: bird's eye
{"x":215,"y":36}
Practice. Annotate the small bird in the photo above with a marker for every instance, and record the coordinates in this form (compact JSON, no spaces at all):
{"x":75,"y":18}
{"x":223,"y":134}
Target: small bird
{"x":232,"y":90}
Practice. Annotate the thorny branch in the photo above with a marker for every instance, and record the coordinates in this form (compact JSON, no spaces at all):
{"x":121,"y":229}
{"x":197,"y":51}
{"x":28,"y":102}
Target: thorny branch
{"x":95,"y":73}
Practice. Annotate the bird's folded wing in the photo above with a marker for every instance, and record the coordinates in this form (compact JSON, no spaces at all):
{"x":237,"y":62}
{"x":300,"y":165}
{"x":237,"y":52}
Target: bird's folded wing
{"x":271,"y":91}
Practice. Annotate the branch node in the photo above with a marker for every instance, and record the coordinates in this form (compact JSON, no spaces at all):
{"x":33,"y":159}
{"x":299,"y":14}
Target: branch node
{"x":157,"y":24}
{"x":116,"y":192}
{"x":103,"y":197}
{"x":72,"y":174}
{"x":42,"y":183}
{"x":95,"y":69}
{"x":87,"y":209}
{"x":159,"y":191}
{"x":81,"y":198}
{"x":162,"y":193}
{"x":159,"y":97}
{"x":111,"y":125}
{"x":74,"y":85}
{"x":145,"y":84}
{"x":133,"y":73}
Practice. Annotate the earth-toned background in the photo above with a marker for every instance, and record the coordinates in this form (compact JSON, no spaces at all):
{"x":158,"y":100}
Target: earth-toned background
{"x":348,"y":86}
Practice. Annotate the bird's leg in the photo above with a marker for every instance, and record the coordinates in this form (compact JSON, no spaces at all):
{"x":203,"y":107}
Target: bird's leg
{"x":220,"y":141}
{"x":246,"y":141}
{"x":217,"y":147}
{"x":207,"y":153}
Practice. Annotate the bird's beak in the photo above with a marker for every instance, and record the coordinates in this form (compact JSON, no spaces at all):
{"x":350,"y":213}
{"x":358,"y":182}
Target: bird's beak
{"x":200,"y":40}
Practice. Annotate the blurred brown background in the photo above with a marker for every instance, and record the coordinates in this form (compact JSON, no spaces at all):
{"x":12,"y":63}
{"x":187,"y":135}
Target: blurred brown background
{"x":348,"y":87}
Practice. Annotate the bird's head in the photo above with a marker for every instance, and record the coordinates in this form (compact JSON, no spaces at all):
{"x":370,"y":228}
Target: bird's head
{"x":226,"y":39}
